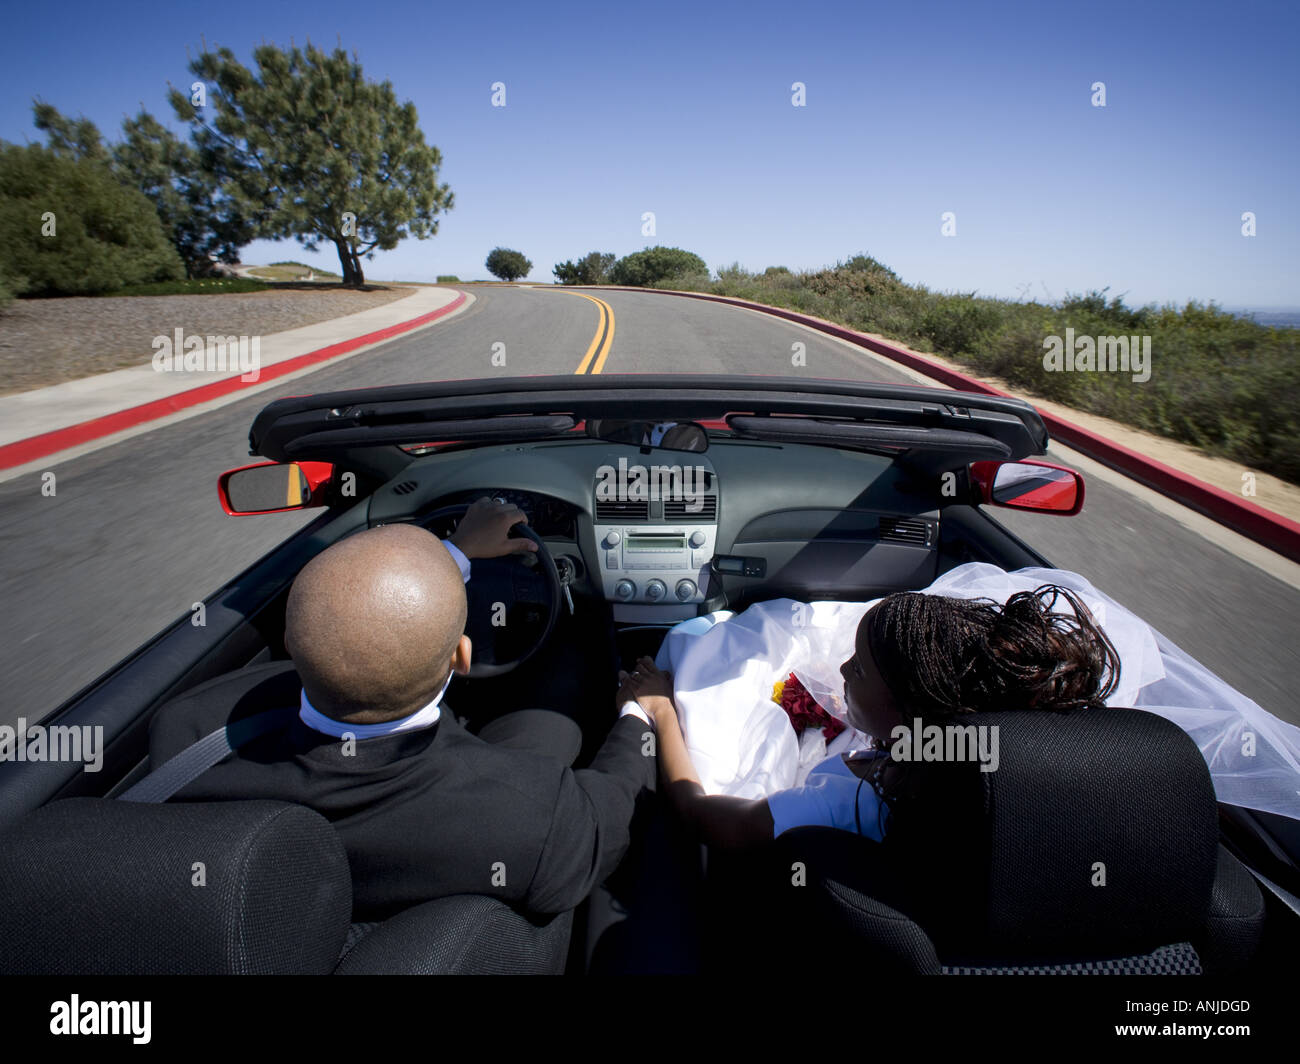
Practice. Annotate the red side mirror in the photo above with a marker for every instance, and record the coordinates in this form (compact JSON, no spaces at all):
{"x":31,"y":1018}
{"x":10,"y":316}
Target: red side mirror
{"x":1038,"y":486}
{"x":273,"y":487}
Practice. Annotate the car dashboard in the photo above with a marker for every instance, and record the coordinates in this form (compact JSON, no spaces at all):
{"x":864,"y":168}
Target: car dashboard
{"x":663,"y":536}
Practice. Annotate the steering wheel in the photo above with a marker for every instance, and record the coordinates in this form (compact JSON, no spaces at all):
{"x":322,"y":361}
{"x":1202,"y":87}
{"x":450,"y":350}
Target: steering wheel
{"x":512,"y":602}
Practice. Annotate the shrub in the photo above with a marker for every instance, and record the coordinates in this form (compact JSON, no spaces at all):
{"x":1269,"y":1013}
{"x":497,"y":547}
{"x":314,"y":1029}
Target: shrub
{"x":653,"y":265}
{"x":592,"y":268}
{"x":960,"y":324}
{"x":860,"y":277}
{"x":195,"y":286}
{"x":448,"y":278}
{"x":106,"y":235}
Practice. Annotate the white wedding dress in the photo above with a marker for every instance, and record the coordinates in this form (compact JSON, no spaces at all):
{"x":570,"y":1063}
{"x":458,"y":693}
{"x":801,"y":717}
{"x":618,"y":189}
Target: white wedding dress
{"x":724,"y":666}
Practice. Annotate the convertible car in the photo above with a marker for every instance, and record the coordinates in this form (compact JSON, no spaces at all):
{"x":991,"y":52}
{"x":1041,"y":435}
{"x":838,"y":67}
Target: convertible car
{"x":654,"y":499}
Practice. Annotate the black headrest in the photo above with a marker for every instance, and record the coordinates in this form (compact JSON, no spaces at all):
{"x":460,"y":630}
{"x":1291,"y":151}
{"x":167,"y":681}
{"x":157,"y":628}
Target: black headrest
{"x":94,"y":886}
{"x":1096,"y":836}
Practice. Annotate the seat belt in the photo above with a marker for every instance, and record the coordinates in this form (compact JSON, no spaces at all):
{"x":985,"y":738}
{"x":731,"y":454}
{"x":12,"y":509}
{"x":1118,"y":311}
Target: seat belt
{"x":1281,"y":893}
{"x":197,"y":758}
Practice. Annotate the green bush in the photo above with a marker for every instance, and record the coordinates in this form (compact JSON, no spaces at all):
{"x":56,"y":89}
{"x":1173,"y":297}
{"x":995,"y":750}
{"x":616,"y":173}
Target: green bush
{"x":105,"y":235}
{"x":860,"y":277}
{"x":960,"y":324}
{"x":734,"y":275}
{"x":592,"y":268}
{"x":691,"y":282}
{"x":196,"y":286}
{"x":652,"y":266}
{"x":448,"y":278}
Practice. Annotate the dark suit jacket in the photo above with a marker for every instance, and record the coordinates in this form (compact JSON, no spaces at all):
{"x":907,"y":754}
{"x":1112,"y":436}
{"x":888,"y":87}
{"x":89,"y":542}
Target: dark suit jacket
{"x":429,"y":813}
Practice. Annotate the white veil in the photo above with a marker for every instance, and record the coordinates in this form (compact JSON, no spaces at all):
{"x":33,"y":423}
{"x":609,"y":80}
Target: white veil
{"x":724,"y":666}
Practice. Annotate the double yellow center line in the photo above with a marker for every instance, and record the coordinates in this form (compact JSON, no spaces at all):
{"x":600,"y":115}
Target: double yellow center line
{"x":601,"y":342}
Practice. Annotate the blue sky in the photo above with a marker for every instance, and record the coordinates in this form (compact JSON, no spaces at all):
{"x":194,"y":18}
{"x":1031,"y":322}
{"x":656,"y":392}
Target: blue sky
{"x":685,"y":110}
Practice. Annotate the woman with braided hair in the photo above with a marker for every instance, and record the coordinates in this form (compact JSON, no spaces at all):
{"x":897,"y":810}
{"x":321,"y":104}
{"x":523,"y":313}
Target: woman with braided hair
{"x":918,"y":660}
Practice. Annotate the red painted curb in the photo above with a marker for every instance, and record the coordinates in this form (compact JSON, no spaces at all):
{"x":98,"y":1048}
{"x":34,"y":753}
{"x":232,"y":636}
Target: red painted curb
{"x":1269,"y":529}
{"x":29,"y":450}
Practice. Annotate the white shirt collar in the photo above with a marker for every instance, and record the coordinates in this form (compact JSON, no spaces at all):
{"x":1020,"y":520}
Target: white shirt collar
{"x":421,"y":718}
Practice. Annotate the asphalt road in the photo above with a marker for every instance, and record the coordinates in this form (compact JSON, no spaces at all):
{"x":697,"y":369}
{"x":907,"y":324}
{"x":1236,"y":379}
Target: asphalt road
{"x":134,"y":534}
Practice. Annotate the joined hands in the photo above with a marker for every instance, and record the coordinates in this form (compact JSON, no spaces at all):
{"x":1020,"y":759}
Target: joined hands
{"x":648,"y":686}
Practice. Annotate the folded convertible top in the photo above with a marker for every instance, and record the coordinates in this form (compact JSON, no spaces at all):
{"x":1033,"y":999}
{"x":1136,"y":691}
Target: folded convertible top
{"x":905,"y":418}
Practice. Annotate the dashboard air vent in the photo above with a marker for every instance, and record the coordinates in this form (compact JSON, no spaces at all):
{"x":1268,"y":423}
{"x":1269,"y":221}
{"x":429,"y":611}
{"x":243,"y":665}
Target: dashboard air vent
{"x":704,"y":508}
{"x":405,"y":487}
{"x":626,"y":510}
{"x":904,"y":530}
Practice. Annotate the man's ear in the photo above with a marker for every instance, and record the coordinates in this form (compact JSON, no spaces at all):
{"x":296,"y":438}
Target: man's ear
{"x":460,"y":657}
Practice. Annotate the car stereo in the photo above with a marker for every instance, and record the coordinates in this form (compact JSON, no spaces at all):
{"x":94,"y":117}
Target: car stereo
{"x":655,"y":563}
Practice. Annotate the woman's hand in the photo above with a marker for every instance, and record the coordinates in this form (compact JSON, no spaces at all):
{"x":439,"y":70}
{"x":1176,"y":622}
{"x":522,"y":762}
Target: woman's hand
{"x":720,"y":820}
{"x":648,"y":686}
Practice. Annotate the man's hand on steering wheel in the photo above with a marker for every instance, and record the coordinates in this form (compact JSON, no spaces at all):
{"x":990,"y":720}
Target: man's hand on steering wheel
{"x":484,"y":531}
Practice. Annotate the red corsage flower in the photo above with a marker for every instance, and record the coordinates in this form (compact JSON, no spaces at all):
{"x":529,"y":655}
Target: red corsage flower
{"x":803,"y":710}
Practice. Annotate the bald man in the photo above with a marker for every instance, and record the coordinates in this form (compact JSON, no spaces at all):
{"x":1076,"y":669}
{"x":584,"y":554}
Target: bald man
{"x":374,"y":625}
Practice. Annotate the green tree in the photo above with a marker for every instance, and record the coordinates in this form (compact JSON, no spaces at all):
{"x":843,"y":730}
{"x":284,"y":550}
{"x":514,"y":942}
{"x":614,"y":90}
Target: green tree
{"x":314,"y":151}
{"x":204,"y":223}
{"x":643,"y":268}
{"x":70,"y":138}
{"x":592,"y":268}
{"x":69,"y":227}
{"x":508,"y":265}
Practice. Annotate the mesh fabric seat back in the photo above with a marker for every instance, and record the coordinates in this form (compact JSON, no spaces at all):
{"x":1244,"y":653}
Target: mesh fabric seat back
{"x":1103,"y":832}
{"x":1096,"y":836}
{"x":94,"y":886}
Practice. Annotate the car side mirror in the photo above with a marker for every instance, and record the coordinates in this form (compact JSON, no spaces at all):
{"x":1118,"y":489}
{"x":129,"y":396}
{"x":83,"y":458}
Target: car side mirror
{"x":1037,"y":486}
{"x":273,"y":487}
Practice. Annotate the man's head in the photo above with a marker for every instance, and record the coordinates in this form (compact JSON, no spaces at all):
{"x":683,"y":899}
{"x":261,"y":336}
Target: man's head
{"x":375,"y":622}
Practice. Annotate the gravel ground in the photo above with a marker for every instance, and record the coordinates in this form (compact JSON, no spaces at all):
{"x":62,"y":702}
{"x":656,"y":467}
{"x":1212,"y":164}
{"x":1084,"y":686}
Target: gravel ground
{"x":47,"y":341}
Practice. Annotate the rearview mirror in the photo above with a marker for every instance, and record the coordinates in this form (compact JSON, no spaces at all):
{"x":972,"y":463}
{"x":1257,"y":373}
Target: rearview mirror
{"x":665,"y":435}
{"x":272,"y":487}
{"x":1028,"y":486}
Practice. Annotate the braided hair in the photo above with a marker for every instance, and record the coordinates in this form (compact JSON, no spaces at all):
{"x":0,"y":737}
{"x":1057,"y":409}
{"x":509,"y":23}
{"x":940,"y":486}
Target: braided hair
{"x":944,"y":657}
